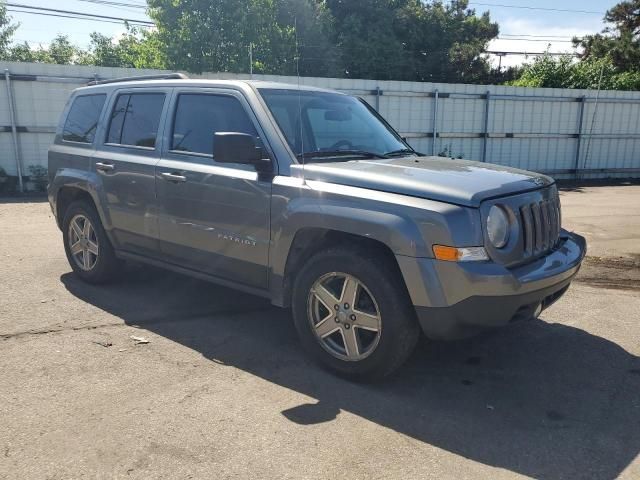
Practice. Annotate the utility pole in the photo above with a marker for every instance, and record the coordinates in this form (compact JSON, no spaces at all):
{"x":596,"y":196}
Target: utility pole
{"x":251,"y":59}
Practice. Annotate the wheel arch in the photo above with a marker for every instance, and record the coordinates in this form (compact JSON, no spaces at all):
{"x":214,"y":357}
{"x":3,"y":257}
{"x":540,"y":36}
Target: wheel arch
{"x":66,"y":196}
{"x":310,"y":240}
{"x":69,"y":185}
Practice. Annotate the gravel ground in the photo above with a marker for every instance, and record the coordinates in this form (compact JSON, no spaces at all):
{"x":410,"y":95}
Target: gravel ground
{"x":223,"y":390}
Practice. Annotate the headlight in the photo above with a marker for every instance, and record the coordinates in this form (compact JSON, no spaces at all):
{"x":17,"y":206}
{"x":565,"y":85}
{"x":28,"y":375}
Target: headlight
{"x":498,"y":226}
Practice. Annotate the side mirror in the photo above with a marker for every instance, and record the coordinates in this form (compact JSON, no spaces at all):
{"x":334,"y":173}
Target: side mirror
{"x":235,"y":147}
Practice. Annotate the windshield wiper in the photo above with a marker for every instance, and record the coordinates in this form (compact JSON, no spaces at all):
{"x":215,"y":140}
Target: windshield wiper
{"x":401,"y":151}
{"x":340,"y":153}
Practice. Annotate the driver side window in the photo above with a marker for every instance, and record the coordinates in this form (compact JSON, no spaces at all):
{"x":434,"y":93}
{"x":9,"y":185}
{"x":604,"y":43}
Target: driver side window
{"x":199,"y":115}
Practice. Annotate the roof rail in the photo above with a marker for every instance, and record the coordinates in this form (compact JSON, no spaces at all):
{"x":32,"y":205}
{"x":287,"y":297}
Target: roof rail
{"x":163,"y":76}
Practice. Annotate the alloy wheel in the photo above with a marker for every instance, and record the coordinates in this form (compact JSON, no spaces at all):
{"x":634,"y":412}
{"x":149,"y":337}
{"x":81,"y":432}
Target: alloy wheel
{"x":83,"y":242}
{"x":344,"y":316}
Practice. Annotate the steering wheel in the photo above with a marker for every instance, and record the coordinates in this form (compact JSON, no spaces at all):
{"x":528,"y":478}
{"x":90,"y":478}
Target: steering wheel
{"x":341,"y":143}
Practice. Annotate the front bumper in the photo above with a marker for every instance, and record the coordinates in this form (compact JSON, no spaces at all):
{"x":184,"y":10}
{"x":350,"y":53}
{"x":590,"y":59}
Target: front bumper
{"x":455,"y":300}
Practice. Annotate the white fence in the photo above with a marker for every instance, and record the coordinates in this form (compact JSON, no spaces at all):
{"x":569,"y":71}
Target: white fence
{"x":565,"y":133}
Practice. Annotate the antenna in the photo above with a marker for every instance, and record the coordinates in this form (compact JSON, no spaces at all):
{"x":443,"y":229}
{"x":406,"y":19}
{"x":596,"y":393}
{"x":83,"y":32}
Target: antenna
{"x":593,"y":121}
{"x":295,"y":27}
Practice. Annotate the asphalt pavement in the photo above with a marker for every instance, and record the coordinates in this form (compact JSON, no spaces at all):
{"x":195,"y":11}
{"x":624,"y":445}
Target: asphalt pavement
{"x":215,"y":384}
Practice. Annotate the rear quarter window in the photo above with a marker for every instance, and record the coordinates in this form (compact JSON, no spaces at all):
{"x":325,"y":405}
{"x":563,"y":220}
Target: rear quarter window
{"x":82,"y":121}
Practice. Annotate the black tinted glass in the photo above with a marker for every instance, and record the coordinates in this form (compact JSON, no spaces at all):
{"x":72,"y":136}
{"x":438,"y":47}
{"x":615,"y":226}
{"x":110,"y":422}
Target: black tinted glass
{"x":82,"y":121}
{"x":198,"y":116}
{"x":135,"y":119}
{"x":117,"y":119}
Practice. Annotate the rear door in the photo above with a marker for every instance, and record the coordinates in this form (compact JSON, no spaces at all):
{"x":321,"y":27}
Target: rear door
{"x":125,"y":163}
{"x":213,"y":217}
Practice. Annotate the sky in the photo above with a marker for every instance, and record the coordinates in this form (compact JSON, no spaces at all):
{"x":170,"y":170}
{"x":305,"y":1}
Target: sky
{"x":521,"y":29}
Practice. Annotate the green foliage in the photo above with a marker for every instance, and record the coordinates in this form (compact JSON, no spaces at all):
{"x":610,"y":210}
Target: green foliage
{"x":215,"y":35}
{"x":444,"y":42}
{"x":620,"y":41}
{"x":609,"y":60}
{"x":60,"y":51}
{"x":134,"y":49}
{"x":385,"y":39}
{"x":564,"y":72}
{"x":7,"y":29}
{"x":415,"y":40}
{"x":39,"y":176}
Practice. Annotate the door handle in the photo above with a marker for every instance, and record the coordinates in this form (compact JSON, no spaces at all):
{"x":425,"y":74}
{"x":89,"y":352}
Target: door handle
{"x":173,"y":177}
{"x":105,"y":167}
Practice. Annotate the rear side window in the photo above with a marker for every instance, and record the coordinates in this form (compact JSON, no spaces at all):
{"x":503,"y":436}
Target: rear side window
{"x":198,"y":116}
{"x":82,"y":120}
{"x":135,"y":119}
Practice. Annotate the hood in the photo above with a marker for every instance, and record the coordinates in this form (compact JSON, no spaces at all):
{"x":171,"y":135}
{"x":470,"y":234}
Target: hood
{"x":436,"y":178}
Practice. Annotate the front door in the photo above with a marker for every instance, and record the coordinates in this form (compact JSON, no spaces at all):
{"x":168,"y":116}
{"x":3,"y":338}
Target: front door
{"x":213,"y":218}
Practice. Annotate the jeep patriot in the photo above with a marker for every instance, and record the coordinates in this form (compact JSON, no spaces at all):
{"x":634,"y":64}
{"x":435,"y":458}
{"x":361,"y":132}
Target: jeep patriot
{"x":307,"y":197}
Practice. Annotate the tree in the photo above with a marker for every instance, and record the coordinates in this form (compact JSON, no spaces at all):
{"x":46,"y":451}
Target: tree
{"x":313,"y":29}
{"x":620,"y":40}
{"x":609,"y":60}
{"x":365,"y":37}
{"x":412,"y":39}
{"x":7,"y":29}
{"x":565,"y":72}
{"x":215,"y":35}
{"x":445,"y":43}
{"x":134,"y":49}
{"x":60,"y":51}
{"x":384,"y":39}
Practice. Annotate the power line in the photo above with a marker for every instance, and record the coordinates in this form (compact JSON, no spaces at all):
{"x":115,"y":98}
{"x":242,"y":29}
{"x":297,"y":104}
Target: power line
{"x":536,"y":8}
{"x":129,"y":7}
{"x":113,"y":4}
{"x":70,"y":16}
{"x":72,"y":12}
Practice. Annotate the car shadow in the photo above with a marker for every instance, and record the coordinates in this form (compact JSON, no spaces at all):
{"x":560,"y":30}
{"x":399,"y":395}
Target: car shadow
{"x":541,"y":399}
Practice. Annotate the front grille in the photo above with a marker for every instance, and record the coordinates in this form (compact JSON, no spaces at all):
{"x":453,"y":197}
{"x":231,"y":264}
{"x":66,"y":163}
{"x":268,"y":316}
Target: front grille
{"x":540,"y":223}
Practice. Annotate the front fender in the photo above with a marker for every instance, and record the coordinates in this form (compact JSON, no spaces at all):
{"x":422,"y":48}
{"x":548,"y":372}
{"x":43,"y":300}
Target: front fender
{"x":408,"y":226}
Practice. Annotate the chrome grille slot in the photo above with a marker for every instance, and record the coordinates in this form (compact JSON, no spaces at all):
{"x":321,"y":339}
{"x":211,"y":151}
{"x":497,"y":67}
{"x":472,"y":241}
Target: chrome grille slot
{"x":537,"y":227}
{"x":546,"y":225}
{"x":540,"y":226}
{"x":527,"y":227}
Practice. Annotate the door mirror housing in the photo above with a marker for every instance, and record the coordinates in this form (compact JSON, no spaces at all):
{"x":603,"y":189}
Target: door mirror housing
{"x":235,"y":147}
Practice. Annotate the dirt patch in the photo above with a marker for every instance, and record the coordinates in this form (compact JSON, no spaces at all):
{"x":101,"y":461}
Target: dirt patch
{"x":622,"y":273}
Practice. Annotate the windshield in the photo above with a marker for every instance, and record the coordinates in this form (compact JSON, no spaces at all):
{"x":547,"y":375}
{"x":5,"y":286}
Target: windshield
{"x":330,"y":122}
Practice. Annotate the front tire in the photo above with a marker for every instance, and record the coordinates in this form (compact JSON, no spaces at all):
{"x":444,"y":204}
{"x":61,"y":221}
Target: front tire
{"x":86,"y":244}
{"x":353,"y":313}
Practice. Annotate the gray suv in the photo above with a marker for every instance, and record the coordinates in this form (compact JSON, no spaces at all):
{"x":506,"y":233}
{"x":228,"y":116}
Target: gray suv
{"x":309,"y":198}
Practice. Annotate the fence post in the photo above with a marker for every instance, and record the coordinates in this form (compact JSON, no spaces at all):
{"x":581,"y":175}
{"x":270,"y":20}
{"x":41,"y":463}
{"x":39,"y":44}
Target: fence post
{"x":435,"y":122}
{"x":582,"y":101}
{"x":14,"y":129}
{"x":485,"y":133}
{"x":378,"y":99}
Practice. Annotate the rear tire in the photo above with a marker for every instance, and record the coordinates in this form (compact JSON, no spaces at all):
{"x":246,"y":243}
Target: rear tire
{"x":86,"y":244}
{"x":366,"y":338}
